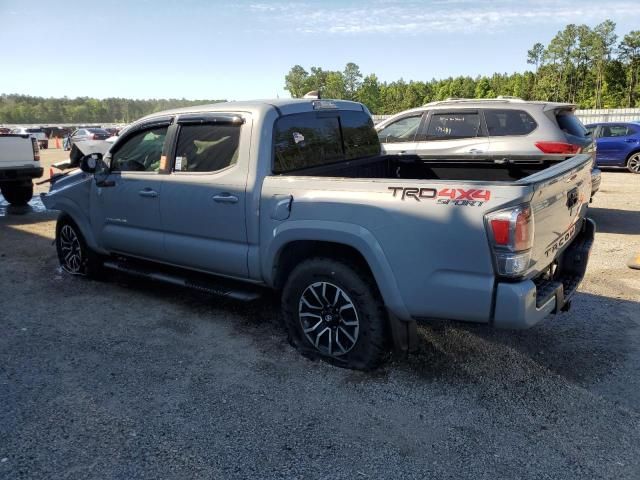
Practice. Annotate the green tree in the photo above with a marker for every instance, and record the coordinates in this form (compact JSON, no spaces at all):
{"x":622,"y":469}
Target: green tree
{"x":629,"y":51}
{"x":297,"y":81}
{"x":352,"y":80}
{"x":334,"y":86}
{"x":369,"y":93}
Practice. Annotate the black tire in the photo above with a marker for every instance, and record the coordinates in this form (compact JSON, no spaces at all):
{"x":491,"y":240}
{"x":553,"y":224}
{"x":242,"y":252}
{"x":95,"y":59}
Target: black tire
{"x":368,"y":312}
{"x":74,"y":255}
{"x":633,"y":162}
{"x":17,"y":194}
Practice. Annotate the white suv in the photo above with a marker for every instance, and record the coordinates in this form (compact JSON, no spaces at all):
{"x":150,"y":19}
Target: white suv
{"x":500,"y":130}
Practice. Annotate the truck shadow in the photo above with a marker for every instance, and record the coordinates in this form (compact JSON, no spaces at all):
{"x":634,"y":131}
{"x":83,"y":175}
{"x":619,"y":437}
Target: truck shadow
{"x":595,"y":337}
{"x":580,"y":346}
{"x":611,"y":220}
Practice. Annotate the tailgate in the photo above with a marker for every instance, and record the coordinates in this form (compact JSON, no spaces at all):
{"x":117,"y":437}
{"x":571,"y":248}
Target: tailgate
{"x":559,"y":205}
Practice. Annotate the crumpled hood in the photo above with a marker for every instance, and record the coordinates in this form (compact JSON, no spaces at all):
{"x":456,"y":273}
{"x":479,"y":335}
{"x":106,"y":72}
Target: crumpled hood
{"x":73,"y":185}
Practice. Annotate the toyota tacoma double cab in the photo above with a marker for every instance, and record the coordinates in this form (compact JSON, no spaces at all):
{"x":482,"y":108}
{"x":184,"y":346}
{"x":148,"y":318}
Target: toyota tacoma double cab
{"x":19,"y":164}
{"x":295,"y":196}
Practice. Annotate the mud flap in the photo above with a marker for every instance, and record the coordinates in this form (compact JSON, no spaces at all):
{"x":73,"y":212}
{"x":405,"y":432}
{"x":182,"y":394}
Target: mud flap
{"x":404,"y":334}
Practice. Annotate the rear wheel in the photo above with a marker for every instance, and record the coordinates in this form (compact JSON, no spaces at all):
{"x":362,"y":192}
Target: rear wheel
{"x":633,"y":163}
{"x":74,"y":255}
{"x":333,"y":310}
{"x":17,"y":194}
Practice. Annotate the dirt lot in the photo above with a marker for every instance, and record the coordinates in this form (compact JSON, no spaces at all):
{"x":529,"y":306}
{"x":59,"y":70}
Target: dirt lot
{"x":127,"y":379}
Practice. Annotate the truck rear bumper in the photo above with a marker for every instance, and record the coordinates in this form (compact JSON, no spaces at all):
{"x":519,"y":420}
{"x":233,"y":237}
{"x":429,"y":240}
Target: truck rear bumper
{"x":19,"y":173}
{"x":521,"y":305}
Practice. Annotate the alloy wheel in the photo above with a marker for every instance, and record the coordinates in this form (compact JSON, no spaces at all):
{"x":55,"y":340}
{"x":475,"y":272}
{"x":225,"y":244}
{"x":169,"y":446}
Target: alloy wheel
{"x":634,"y":163}
{"x":328,"y":318}
{"x":71,"y":250}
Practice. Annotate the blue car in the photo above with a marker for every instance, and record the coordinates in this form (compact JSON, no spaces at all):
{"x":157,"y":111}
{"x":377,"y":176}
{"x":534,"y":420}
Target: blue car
{"x":618,"y":144}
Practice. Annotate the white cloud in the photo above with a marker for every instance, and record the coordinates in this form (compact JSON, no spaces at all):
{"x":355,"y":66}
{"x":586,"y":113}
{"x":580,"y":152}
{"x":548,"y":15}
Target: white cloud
{"x":437,"y":16}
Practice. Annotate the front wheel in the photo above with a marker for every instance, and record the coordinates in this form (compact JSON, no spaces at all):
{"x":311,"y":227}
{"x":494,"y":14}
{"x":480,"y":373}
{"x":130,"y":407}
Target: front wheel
{"x":17,"y":194}
{"x":73,"y":254}
{"x":633,"y":164}
{"x":333,"y":310}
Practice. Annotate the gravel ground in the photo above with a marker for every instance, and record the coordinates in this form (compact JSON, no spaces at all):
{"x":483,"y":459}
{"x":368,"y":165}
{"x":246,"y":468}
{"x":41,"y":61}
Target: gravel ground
{"x":128,"y":379}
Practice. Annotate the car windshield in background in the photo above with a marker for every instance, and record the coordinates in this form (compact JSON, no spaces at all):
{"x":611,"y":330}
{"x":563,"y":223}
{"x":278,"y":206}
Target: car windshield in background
{"x":35,"y":130}
{"x":319,"y":138}
{"x":570,"y":124}
{"x":98,"y":131}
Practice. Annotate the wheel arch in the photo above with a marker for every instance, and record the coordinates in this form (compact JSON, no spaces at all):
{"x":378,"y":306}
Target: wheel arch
{"x":74,"y":213}
{"x":630,"y":154}
{"x":294,"y":243}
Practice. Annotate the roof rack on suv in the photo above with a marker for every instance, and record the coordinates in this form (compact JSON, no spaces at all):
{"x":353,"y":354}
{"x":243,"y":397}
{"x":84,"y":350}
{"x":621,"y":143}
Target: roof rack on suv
{"x":499,"y":99}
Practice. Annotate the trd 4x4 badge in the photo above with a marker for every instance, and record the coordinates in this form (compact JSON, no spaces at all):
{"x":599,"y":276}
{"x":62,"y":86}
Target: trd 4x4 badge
{"x":446,"y":196}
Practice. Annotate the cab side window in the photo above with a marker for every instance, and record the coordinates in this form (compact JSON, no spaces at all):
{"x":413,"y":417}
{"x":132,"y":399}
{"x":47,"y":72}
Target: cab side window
{"x":403,"y":130}
{"x":207,"y":148}
{"x":141,"y":152}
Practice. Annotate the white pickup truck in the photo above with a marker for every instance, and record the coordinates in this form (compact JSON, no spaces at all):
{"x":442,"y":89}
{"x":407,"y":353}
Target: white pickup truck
{"x":19,"y":164}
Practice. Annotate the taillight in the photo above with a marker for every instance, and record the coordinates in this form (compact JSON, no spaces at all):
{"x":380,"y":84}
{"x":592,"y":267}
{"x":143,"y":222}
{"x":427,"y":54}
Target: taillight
{"x":511,"y":235}
{"x":36,"y":149}
{"x":500,"y":230}
{"x":561,"y":148}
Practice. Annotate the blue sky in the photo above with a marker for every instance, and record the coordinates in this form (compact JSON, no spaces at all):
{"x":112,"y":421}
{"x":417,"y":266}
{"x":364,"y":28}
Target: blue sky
{"x":241,"y":50}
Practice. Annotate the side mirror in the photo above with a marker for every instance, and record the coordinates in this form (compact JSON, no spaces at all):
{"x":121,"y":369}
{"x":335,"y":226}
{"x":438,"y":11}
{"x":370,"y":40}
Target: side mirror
{"x":89,"y":163}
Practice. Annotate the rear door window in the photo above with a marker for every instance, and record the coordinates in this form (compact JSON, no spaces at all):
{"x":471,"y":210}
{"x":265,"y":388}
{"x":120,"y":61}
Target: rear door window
{"x":311,"y":139}
{"x":614,"y":131}
{"x":207,"y":147}
{"x":454,"y":125}
{"x":501,"y":123}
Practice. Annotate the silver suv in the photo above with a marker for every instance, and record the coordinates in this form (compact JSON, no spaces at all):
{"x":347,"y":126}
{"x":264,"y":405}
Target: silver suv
{"x":500,"y":130}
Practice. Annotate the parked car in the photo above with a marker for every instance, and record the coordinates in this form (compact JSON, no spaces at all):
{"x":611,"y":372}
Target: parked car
{"x":38,"y":133}
{"x":618,"y":144}
{"x":295,"y":196}
{"x":19,"y":164}
{"x":83,"y":134}
{"x":488,"y":130}
{"x":4,"y":130}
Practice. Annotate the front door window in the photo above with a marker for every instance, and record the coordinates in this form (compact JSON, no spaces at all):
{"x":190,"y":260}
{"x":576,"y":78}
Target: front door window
{"x":141,"y":152}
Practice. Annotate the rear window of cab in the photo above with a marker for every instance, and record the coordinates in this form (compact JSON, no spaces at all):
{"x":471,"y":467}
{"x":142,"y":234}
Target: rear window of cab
{"x":312,"y":139}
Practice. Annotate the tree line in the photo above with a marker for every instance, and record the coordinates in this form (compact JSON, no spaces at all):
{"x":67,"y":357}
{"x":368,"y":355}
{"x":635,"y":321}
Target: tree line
{"x":27,"y":109}
{"x":591,"y":67}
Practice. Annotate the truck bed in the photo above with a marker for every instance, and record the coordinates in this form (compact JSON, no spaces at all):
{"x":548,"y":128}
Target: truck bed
{"x":413,"y":168}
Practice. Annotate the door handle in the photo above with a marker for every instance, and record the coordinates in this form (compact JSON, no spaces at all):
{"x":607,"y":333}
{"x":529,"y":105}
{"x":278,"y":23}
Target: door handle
{"x":631,"y":140}
{"x":225,"y":198}
{"x":402,"y":152}
{"x":147,"y":192}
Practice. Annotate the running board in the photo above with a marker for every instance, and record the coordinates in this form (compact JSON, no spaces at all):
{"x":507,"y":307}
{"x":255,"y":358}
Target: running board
{"x":208,"y":286}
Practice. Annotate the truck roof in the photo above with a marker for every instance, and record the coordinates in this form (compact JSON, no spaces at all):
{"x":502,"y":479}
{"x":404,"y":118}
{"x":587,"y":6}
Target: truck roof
{"x":285,"y":106}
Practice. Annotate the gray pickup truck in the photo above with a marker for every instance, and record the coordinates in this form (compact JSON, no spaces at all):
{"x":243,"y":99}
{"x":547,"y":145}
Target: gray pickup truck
{"x":295,"y":196}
